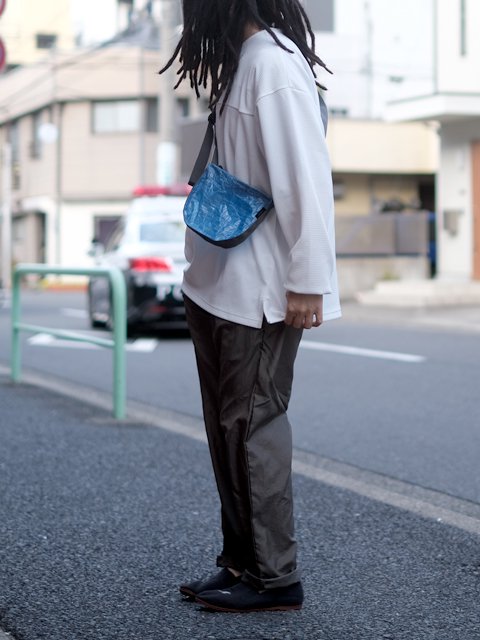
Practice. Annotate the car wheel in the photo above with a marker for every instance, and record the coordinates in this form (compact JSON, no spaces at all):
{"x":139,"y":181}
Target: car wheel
{"x":130,"y":329}
{"x":94,"y":324}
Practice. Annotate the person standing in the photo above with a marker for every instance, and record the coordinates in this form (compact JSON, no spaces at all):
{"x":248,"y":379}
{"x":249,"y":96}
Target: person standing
{"x":247,"y":306}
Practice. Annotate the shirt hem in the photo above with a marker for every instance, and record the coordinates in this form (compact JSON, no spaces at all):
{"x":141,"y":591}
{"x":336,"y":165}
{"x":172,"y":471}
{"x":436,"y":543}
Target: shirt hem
{"x":221,"y":313}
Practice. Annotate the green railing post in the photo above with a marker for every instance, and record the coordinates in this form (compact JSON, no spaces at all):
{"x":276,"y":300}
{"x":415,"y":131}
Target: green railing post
{"x":16,"y":344}
{"x":119,"y":300}
{"x":119,"y":336}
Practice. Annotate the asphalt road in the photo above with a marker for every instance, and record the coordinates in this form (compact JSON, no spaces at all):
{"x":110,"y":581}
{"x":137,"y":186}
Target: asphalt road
{"x":100,"y":522}
{"x":416,"y":421}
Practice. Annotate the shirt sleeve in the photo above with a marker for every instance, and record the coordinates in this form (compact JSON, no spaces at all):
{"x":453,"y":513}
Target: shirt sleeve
{"x":292,"y":139}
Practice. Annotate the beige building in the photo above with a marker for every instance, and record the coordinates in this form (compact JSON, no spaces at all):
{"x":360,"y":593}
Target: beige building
{"x":84,"y":133}
{"x":30,"y":29}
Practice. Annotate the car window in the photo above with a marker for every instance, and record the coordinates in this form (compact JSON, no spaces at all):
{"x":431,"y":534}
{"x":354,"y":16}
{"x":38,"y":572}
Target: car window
{"x":116,"y":236}
{"x":167,"y":231}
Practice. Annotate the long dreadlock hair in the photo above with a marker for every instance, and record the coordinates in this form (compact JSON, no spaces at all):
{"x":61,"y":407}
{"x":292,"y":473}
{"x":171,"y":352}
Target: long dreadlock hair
{"x":213,"y":33}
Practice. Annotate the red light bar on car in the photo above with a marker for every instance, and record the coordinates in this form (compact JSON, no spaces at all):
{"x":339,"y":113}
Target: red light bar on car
{"x":157,"y":190}
{"x":164,"y":265}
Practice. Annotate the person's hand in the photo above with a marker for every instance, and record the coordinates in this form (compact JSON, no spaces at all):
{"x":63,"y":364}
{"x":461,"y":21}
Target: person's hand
{"x":304,"y":310}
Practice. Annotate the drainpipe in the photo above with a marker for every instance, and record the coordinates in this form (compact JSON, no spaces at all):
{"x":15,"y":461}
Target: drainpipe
{"x":6,"y":222}
{"x":167,"y":150}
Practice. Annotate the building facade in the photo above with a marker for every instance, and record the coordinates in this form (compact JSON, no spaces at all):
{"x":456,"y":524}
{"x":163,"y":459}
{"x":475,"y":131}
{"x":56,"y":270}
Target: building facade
{"x":454,"y":102}
{"x":81,"y":142}
{"x":85,"y":131}
{"x":31,"y":30}
{"x":377,"y":51}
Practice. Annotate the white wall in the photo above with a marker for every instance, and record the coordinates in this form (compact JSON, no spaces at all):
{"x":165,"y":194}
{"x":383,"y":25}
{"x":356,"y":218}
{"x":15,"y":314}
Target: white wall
{"x":380,"y":51}
{"x":457,"y":72}
{"x":77,"y":229}
{"x":455,"y":193}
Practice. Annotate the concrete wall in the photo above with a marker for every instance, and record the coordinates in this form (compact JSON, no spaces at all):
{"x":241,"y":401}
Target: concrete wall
{"x":366,"y":146}
{"x":457,"y":70}
{"x":363,"y":194}
{"x":27,"y":239}
{"x":455,"y":232}
{"x":99,"y":165}
{"x":362,"y":274}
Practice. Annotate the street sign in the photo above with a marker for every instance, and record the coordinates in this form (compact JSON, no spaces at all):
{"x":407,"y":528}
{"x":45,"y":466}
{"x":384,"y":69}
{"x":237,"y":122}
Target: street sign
{"x":3,"y":55}
{"x":3,"y":4}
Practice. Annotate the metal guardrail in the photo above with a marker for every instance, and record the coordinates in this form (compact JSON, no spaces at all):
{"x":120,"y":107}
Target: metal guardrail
{"x":119,"y":298}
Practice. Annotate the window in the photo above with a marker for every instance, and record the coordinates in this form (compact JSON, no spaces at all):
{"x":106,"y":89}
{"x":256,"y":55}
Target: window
{"x":46,"y":40}
{"x":151,"y":115}
{"x":338,"y":112}
{"x":321,"y":14}
{"x":169,"y":231}
{"x":121,"y":116}
{"x":14,"y":139}
{"x":116,"y":236}
{"x":104,"y":226}
{"x":183,"y":107}
{"x":36,"y":143}
{"x":338,"y":189}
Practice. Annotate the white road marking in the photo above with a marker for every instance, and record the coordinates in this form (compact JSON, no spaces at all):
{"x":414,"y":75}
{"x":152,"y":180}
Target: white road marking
{"x":142,"y":345}
{"x":46,"y":340}
{"x":364,"y":353}
{"x":74,"y":313}
{"x":145,"y":345}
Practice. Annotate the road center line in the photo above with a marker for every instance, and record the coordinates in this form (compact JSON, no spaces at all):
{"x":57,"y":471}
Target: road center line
{"x":364,"y":353}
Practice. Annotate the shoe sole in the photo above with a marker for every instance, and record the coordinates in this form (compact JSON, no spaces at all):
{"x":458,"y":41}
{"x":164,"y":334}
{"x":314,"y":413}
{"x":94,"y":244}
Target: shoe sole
{"x":188,"y":593}
{"x":214,"y":607}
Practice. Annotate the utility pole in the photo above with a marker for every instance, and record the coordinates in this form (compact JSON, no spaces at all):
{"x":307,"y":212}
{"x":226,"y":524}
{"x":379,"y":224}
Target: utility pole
{"x":369,"y":58}
{"x":6,"y":222}
{"x":167,"y":150}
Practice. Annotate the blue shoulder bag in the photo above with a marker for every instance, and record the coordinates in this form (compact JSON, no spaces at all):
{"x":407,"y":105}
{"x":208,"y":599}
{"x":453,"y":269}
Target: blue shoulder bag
{"x":222,"y":209}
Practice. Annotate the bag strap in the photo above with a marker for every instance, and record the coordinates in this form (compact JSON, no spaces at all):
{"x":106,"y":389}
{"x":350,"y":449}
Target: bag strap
{"x":210,"y":140}
{"x":323,"y":112}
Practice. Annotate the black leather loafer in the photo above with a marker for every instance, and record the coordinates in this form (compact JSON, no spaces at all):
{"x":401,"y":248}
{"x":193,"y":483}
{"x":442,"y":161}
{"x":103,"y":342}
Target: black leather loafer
{"x":242,"y":598}
{"x":224,"y":579}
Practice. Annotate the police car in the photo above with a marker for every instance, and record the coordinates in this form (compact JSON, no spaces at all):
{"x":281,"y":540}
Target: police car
{"x":148,"y":246}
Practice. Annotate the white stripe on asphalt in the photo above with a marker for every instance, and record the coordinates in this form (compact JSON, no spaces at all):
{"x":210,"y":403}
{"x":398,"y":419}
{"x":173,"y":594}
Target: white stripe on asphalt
{"x":364,"y":353}
{"x":74,"y":313}
{"x":142,"y":345}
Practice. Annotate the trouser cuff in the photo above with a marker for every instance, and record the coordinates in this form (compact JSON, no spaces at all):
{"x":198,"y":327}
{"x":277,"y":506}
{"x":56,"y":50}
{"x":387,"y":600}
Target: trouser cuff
{"x":229,"y":563}
{"x":271,"y":583}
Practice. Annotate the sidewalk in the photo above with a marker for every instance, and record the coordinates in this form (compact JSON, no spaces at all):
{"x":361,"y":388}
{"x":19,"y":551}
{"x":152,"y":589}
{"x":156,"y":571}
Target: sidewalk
{"x":456,"y":318}
{"x":99,"y":523}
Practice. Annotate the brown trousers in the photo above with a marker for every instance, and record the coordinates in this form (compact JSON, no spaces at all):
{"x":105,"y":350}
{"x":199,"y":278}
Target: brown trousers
{"x":246,"y":379}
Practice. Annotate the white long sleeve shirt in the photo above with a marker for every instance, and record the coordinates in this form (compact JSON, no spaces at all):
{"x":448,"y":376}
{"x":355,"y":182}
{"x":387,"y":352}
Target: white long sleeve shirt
{"x":270,"y":135}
